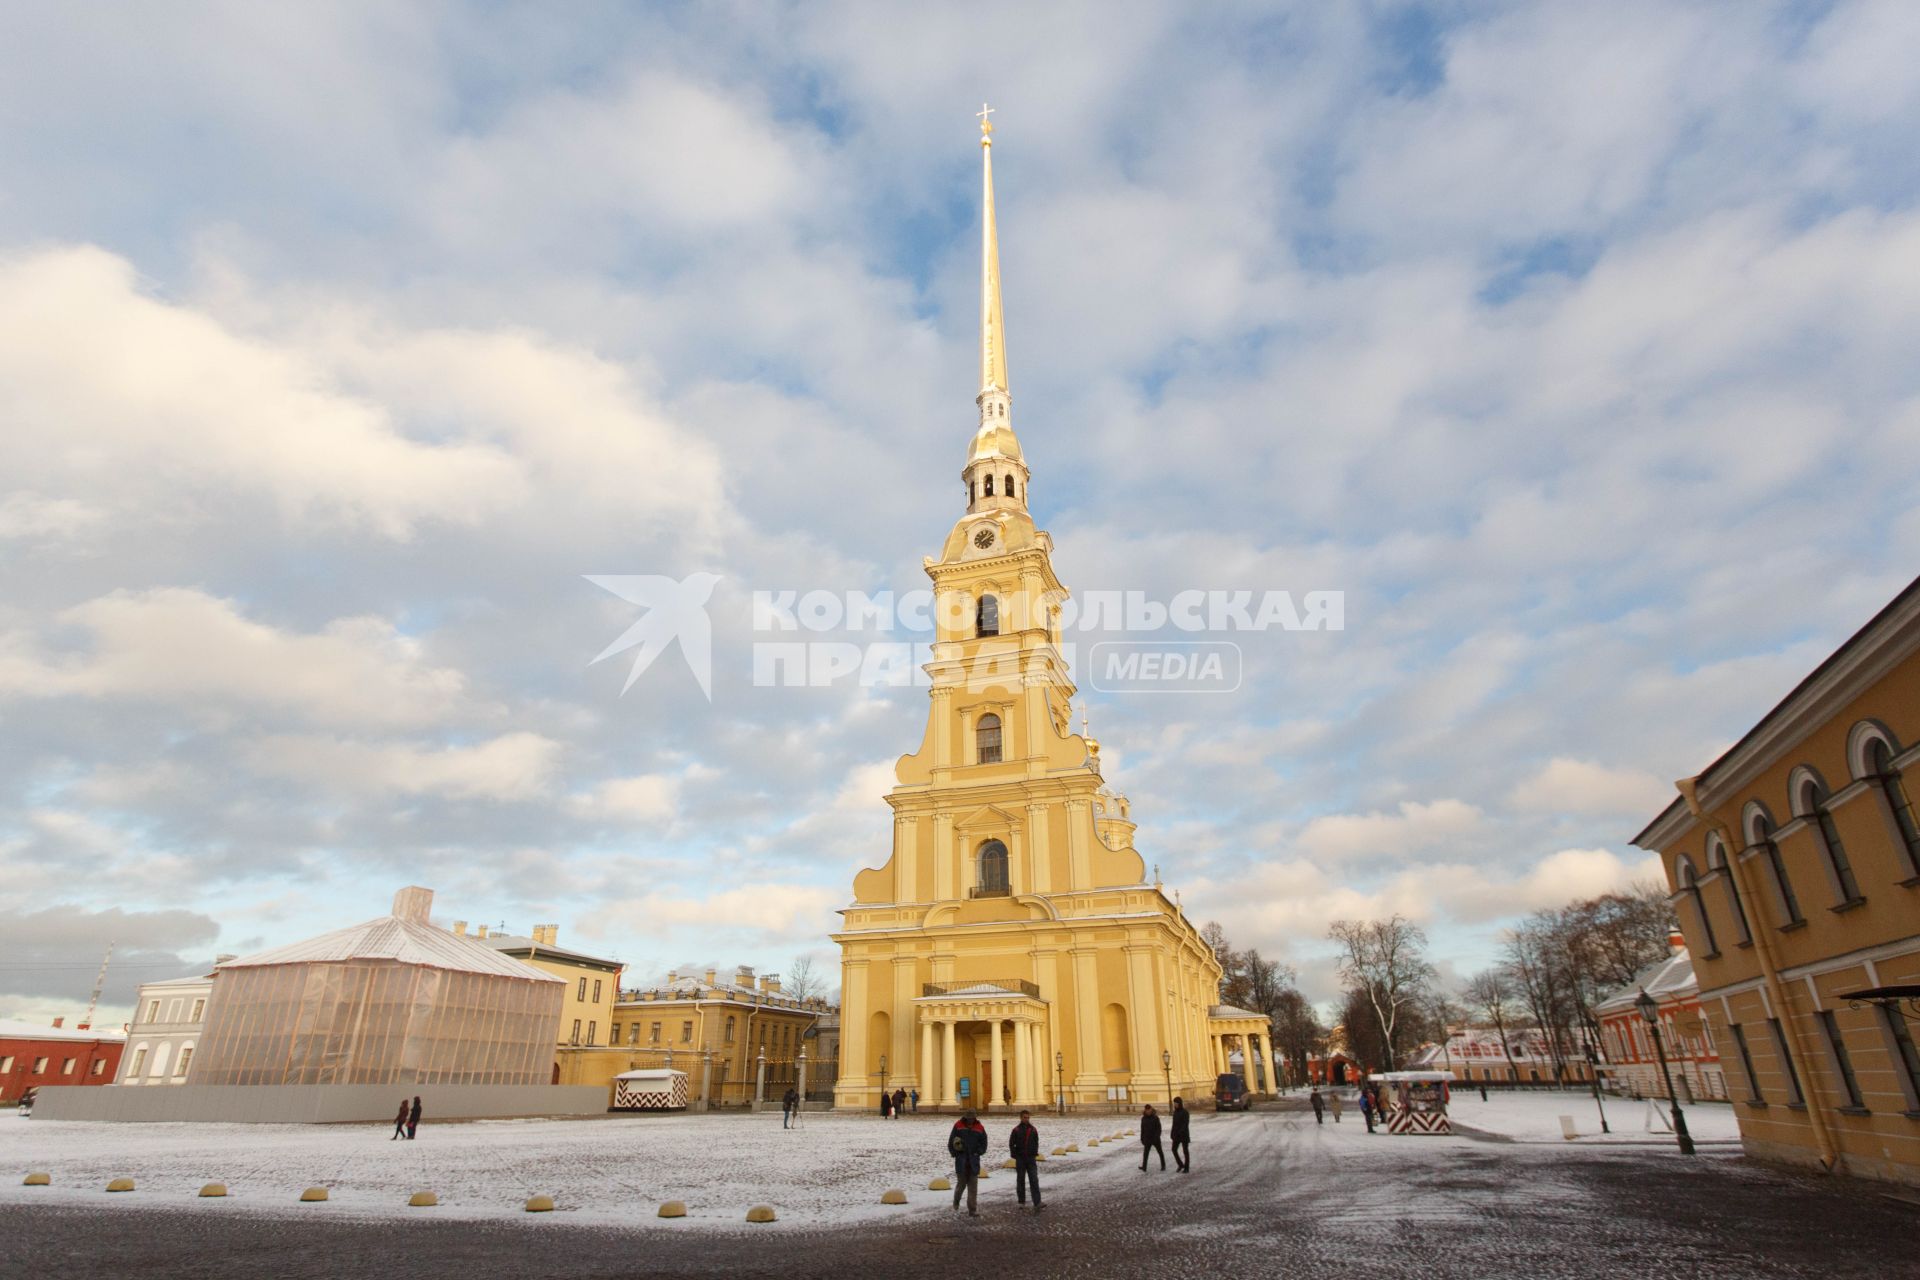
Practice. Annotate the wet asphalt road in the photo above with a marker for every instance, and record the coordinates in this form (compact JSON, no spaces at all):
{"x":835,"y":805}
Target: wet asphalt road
{"x":1271,"y":1195}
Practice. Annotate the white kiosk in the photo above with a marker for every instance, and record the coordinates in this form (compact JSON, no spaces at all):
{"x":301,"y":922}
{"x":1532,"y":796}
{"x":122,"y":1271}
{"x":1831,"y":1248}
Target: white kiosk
{"x":650,"y":1089}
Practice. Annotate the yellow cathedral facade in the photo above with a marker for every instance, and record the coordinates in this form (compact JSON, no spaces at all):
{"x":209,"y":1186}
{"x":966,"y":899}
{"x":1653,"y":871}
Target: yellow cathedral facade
{"x":1012,"y":951}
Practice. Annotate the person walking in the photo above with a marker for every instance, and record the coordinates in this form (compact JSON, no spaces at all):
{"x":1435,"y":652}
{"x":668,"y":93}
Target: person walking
{"x":1319,"y":1106}
{"x":966,"y":1144}
{"x":1024,"y":1145}
{"x":1366,"y":1108}
{"x":787,"y":1101}
{"x":913,"y":1096}
{"x":413,"y":1116}
{"x":1333,"y":1100}
{"x":1483,"y":1091}
{"x":1150,"y":1138}
{"x":1180,"y":1139}
{"x":899,"y":1102}
{"x":886,"y":1106}
{"x":400,"y":1122}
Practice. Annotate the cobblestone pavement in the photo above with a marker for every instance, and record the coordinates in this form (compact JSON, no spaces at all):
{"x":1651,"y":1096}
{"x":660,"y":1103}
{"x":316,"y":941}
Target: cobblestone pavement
{"x":1271,"y":1194}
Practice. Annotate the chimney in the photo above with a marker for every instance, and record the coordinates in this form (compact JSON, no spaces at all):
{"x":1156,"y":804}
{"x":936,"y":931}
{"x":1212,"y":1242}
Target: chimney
{"x":459,"y":928}
{"x":743,"y":977}
{"x":481,"y":932}
{"x":1676,"y":942}
{"x":713,"y":977}
{"x":771,"y":983}
{"x":673,"y":976}
{"x":413,"y":903}
{"x":58,"y":1021}
{"x":553,"y":935}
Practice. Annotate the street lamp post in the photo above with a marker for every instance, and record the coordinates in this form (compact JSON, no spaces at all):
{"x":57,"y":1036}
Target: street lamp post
{"x":1593,"y":1074}
{"x":1166,"y":1065}
{"x":1060,"y":1078}
{"x":1650,"y":1010}
{"x":883,"y":1082}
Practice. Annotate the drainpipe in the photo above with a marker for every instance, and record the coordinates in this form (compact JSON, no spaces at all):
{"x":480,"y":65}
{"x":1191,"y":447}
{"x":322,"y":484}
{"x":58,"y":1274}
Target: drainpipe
{"x":1770,"y":972}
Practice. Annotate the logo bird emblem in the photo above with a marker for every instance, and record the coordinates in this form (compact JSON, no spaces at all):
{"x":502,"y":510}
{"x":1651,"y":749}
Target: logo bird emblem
{"x":674,"y":610}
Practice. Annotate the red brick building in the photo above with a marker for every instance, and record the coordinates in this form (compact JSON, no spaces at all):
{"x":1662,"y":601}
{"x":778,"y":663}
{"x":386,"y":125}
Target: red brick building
{"x":32,"y":1055}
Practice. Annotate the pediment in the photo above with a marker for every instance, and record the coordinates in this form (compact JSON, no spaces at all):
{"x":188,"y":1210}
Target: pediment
{"x":987,"y":818}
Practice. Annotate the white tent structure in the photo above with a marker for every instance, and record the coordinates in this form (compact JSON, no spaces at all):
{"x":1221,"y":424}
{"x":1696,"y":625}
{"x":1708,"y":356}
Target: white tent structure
{"x":389,"y":1001}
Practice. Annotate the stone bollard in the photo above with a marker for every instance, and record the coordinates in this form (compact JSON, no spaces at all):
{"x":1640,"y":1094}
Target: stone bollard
{"x":1059,"y":1151}
{"x":540,"y":1204}
{"x":760,"y":1213}
{"x":313,"y":1195}
{"x":1072,"y":1147}
{"x":939,"y":1184}
{"x":894,"y":1196}
{"x":674,"y":1209}
{"x":422,"y":1200}
{"x":213,"y":1190}
{"x":120,"y":1184}
{"x":38,"y":1180}
{"x":1009,"y":1164}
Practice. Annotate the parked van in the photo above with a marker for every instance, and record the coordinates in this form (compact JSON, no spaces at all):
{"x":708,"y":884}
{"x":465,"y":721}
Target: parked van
{"x":1230,"y":1094}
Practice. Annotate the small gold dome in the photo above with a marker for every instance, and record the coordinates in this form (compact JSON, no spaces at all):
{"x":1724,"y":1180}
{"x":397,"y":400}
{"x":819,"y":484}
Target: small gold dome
{"x":995,"y":440}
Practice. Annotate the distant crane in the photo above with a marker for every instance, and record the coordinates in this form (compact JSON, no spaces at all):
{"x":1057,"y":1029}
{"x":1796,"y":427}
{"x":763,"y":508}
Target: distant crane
{"x":98,"y":982}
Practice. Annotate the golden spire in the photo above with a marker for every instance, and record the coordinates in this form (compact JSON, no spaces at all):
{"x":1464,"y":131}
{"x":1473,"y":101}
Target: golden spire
{"x":993,"y":327}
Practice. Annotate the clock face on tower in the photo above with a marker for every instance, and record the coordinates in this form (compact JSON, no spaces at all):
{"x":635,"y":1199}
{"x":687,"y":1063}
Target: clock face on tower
{"x":983,"y":537}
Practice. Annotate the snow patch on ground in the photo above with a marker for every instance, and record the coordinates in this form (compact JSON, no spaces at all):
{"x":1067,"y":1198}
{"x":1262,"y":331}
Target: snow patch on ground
{"x":1535,"y":1117}
{"x":613,"y":1171}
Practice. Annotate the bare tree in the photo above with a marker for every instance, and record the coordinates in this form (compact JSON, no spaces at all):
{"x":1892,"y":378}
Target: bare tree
{"x":1386,"y":965}
{"x":1489,"y":994}
{"x":801,"y":982}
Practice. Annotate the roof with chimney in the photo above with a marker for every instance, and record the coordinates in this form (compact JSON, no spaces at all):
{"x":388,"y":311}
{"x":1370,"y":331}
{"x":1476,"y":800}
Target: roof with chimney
{"x":16,"y":1029}
{"x":405,"y":937}
{"x":1668,"y":979}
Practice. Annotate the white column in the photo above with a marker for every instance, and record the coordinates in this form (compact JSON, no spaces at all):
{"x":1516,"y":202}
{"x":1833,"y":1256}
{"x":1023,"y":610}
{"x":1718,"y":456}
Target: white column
{"x":1000,"y":1089}
{"x":927,"y":1076}
{"x":1023,"y":1063}
{"x":949,"y":1076}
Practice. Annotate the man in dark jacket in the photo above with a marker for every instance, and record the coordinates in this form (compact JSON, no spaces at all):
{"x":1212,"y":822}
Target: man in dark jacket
{"x":787,"y":1102}
{"x":1319,"y":1106}
{"x":1024,"y":1145}
{"x":1150,"y":1138}
{"x":966,"y":1144}
{"x":400,"y":1122}
{"x":1182,"y":1143}
{"x":413,"y":1116}
{"x":1366,"y":1108}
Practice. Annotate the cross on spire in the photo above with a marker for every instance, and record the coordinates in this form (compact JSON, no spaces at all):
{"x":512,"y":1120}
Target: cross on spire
{"x":986,"y":125}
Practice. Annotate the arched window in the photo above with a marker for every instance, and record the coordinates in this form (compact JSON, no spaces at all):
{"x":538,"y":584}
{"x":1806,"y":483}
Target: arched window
{"x":988,"y":492}
{"x":987,"y":617}
{"x":1893,"y":785}
{"x":973,"y":492}
{"x":1760,"y":836}
{"x":993,"y":867}
{"x":1689,"y":882}
{"x":986,"y":737}
{"x":1719,"y":863}
{"x":1009,"y":486}
{"x":1809,"y":795}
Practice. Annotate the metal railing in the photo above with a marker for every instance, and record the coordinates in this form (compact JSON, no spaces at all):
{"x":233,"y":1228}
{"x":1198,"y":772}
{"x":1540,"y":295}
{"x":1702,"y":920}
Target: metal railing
{"x":990,"y":891}
{"x":981,"y":986}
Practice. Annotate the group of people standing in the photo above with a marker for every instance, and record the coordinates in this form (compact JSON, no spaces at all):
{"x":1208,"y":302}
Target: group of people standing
{"x":967,"y":1143}
{"x":407,"y":1120}
{"x":1374,"y":1107}
{"x":894,"y":1105}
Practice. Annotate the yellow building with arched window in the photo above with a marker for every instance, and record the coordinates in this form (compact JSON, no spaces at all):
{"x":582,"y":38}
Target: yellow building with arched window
{"x":1013,"y":947}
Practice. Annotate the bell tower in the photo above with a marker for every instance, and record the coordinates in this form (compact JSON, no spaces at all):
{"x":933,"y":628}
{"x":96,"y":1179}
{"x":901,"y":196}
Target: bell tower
{"x":1012,"y":946}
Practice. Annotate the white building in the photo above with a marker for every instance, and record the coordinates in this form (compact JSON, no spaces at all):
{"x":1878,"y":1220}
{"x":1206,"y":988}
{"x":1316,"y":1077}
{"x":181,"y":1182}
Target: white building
{"x":166,"y":1026}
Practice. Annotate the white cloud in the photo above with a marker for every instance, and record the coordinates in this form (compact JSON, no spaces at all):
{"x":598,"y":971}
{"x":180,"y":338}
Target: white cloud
{"x":203,"y":655}
{"x":1571,"y":786}
{"x":1414,"y":828}
{"x":513,"y":766}
{"x":111,"y":389}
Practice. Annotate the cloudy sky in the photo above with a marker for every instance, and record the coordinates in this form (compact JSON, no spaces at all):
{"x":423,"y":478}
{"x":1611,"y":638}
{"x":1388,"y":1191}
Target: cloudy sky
{"x":338,"y":343}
